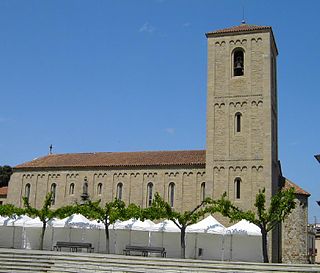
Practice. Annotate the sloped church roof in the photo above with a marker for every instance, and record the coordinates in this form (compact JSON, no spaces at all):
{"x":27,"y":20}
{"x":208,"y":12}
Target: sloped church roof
{"x":118,"y":159}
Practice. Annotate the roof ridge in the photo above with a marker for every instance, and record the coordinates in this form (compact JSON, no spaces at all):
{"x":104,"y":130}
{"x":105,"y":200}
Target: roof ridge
{"x":119,"y":152}
{"x":117,"y":159}
{"x":238,"y":28}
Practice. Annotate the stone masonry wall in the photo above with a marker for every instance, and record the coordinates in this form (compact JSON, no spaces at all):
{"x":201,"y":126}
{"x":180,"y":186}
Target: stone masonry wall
{"x":187,"y":183}
{"x":294,"y":233}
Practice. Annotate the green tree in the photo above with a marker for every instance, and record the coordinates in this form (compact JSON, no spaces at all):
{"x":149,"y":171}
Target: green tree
{"x":10,"y":210}
{"x":108,"y":214}
{"x":160,"y":209}
{"x":45,"y":214}
{"x":281,"y":205}
{"x":5,"y":174}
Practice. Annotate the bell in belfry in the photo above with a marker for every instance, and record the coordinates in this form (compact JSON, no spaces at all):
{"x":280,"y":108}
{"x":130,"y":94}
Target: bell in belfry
{"x":238,"y":66}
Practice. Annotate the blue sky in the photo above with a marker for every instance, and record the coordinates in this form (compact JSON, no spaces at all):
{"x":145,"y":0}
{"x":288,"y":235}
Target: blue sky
{"x":130,"y":75}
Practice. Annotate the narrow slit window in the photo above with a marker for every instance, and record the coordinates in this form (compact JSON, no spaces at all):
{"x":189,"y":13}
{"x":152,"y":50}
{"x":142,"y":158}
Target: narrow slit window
{"x":238,"y":122}
{"x":119,"y":191}
{"x":27,"y":191}
{"x":149,"y":194}
{"x":171,"y":194}
{"x":71,"y":189}
{"x":99,"y":189}
{"x":238,"y":63}
{"x":203,"y":191}
{"x":53,"y":191}
{"x":237,"y":185}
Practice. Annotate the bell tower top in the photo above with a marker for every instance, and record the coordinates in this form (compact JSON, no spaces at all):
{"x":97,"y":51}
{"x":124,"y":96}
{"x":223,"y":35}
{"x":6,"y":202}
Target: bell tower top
{"x":243,"y":28}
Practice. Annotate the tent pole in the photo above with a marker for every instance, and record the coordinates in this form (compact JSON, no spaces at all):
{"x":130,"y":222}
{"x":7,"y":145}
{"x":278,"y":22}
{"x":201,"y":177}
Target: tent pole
{"x":223,"y":247}
{"x":14,"y":235}
{"x":52,"y":237}
{"x":231,"y":247}
{"x":196,"y":247}
{"x":99,"y":240}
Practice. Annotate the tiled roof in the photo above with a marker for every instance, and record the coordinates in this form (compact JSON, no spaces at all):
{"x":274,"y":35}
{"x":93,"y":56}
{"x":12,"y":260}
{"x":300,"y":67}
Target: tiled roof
{"x":240,"y":28}
{"x":3,"y":191}
{"x":289,"y":184}
{"x":118,"y":159}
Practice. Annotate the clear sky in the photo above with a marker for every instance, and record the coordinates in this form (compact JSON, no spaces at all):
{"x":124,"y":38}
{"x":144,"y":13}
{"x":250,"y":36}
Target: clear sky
{"x":127,"y":75}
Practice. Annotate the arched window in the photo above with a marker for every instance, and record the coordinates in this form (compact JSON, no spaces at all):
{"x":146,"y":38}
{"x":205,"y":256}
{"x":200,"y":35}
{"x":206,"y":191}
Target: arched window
{"x":237,"y":186}
{"x":238,"y":62}
{"x":171,"y":194}
{"x":27,"y":191}
{"x":237,"y":121}
{"x":53,"y":191}
{"x":119,"y":191}
{"x":203,"y":191}
{"x":99,"y":189}
{"x":149,"y":194}
{"x":71,"y":189}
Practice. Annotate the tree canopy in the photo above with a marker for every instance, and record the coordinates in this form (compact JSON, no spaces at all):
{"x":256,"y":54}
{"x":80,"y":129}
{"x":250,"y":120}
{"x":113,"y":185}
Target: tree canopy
{"x":161,"y":209}
{"x":108,"y":213}
{"x":281,"y":205}
{"x":5,"y":174}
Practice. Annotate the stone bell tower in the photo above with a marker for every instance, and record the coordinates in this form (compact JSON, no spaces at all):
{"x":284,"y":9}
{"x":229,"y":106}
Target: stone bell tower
{"x":242,"y":149}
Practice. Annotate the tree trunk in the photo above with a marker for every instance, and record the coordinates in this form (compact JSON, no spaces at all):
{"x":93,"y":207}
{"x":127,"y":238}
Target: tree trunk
{"x":183,"y":242}
{"x":43,"y":230}
{"x":264,"y":245}
{"x":107,"y":237}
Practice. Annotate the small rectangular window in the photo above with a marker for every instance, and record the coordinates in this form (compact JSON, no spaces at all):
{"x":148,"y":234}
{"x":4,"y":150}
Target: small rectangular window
{"x":238,"y":122}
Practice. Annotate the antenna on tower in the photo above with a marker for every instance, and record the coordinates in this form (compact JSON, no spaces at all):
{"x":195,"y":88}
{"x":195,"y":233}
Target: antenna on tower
{"x":243,"y":20}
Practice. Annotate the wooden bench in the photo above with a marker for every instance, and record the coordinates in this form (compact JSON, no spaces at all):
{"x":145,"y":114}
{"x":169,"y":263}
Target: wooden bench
{"x":73,"y":246}
{"x":145,"y":250}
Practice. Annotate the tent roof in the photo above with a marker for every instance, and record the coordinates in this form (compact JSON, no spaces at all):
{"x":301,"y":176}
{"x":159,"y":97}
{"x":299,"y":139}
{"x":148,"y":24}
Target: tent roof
{"x":135,"y":224}
{"x":19,"y":221}
{"x":207,"y":225}
{"x":167,"y":226}
{"x":245,"y":228}
{"x":33,"y":223}
{"x":77,"y":220}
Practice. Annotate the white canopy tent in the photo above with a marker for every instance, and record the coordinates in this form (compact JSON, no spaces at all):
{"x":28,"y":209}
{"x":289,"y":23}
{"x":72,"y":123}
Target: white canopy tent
{"x":133,"y":232}
{"x":244,"y":242}
{"x":209,"y":243}
{"x":33,"y":229}
{"x":166,"y":234}
{"x":76,"y":228}
{"x":13,"y":232}
{"x":7,"y":232}
{"x":207,"y":239}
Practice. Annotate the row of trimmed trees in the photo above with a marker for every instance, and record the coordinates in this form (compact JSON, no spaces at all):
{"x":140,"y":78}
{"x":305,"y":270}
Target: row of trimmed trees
{"x":281,"y":205}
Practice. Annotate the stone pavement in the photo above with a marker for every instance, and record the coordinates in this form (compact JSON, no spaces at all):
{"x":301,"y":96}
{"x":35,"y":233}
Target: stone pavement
{"x":17,"y":260}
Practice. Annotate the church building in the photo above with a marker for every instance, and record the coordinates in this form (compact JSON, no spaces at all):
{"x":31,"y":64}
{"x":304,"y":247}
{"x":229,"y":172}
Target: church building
{"x":241,"y":153}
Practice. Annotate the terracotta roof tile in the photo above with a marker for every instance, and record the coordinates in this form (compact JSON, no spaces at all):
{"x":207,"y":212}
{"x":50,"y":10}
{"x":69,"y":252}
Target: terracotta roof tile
{"x":240,"y":28}
{"x":289,"y":184}
{"x":3,"y":191}
{"x":118,"y":159}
